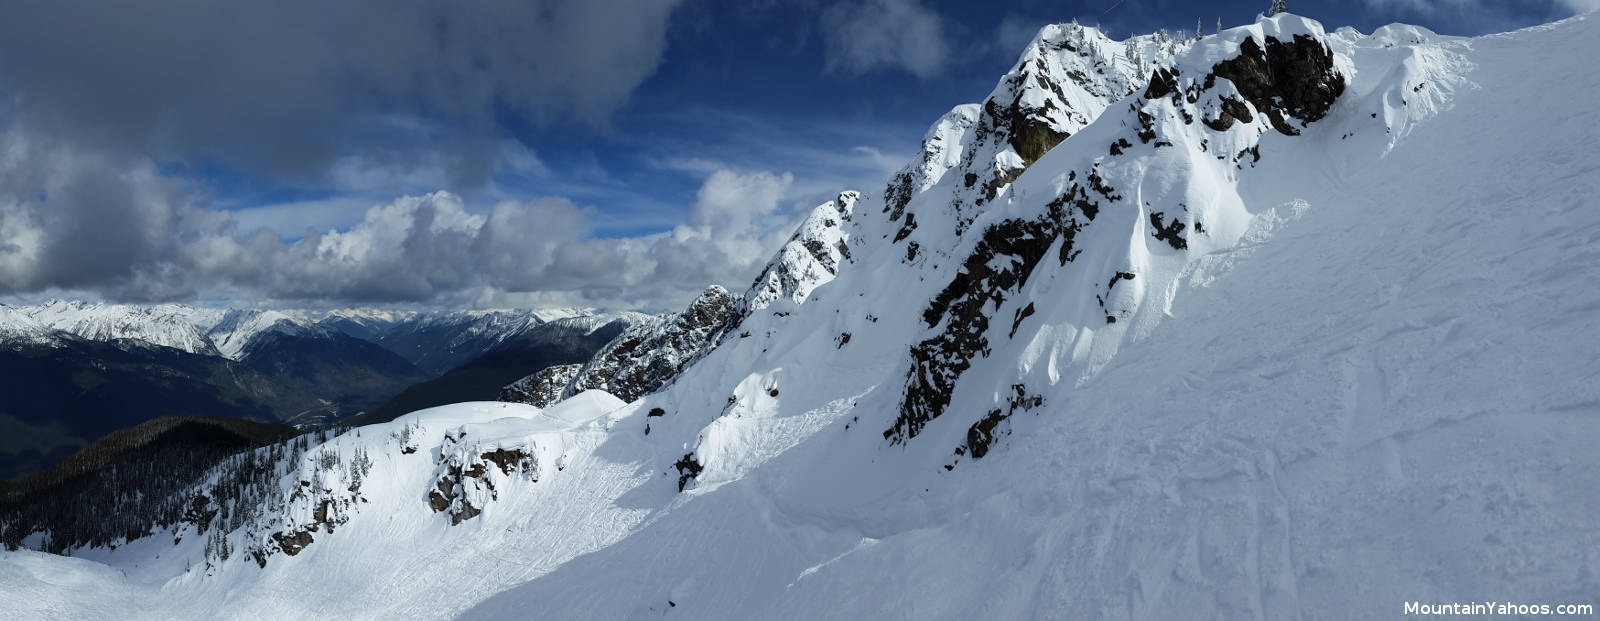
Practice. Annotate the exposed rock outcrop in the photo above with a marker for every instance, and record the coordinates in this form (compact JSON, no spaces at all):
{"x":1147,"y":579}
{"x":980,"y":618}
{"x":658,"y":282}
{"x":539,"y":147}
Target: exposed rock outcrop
{"x":1286,"y":85}
{"x":812,"y":256}
{"x":650,"y":354}
{"x":1064,"y":80}
{"x":542,"y":388}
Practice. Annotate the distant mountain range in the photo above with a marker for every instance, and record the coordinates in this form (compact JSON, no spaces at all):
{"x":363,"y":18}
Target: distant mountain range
{"x":547,"y":345}
{"x":78,"y":370}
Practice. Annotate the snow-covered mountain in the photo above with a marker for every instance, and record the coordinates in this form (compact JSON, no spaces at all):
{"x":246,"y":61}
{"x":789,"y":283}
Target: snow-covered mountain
{"x":167,"y":325}
{"x":362,"y":323}
{"x":79,"y":370}
{"x":238,"y":328}
{"x":645,"y":357}
{"x":1300,"y":324}
{"x":203,"y":331}
{"x":440,"y":341}
{"x":811,"y":257}
{"x":17,"y":327}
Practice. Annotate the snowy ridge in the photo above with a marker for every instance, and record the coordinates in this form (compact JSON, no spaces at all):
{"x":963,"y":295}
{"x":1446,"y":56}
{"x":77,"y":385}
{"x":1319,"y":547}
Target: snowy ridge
{"x":441,"y":341}
{"x":166,"y":325}
{"x":238,"y":328}
{"x":1110,"y":230}
{"x":645,"y":357}
{"x":589,"y":323}
{"x":1237,"y":348}
{"x":1068,"y":75}
{"x":496,"y":325}
{"x":18,"y":328}
{"x":544,"y":387}
{"x":811,"y":258}
{"x":557,"y":314}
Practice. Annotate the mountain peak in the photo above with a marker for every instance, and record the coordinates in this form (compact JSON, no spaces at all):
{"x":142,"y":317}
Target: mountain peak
{"x":1066,"y":77}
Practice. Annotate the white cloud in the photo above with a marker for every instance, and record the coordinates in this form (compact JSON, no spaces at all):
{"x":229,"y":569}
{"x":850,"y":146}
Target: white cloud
{"x":77,"y":221}
{"x":1582,"y":6}
{"x":869,"y":35}
{"x":293,"y":219}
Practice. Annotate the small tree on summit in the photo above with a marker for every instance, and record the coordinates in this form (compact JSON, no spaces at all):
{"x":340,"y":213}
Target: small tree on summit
{"x":1278,"y":6}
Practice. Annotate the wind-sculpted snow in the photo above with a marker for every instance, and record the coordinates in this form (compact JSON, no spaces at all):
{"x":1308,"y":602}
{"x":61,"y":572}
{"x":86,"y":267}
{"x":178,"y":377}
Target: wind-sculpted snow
{"x":1216,"y":373}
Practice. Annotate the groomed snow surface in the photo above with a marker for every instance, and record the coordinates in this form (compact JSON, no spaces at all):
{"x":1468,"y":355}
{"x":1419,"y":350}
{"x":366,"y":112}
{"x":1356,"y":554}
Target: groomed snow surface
{"x":1375,"y":382}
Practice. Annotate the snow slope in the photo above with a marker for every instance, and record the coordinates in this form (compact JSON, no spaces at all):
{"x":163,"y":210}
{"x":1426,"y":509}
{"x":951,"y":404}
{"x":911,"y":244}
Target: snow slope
{"x":1361,"y":373}
{"x":17,"y":327}
{"x":165,"y":325}
{"x":239,"y":327}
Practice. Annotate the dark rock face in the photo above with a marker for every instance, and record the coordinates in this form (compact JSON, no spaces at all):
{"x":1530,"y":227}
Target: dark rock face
{"x":982,"y":434}
{"x":649,"y":356}
{"x":1294,"y":80}
{"x":1061,"y":83}
{"x":961,"y":307}
{"x":1163,"y":82}
{"x":1027,"y":134}
{"x":1171,"y":233}
{"x":329,"y":511}
{"x":1232,"y":109}
{"x":291,"y":543}
{"x":465,"y":481}
{"x":1285,"y":81}
{"x":819,"y":248}
{"x":542,"y":388}
{"x":688,"y":468}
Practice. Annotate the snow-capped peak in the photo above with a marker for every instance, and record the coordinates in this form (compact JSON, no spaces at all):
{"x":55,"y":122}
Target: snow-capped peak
{"x":1066,"y":77}
{"x":239,"y":327}
{"x":166,"y":325}
{"x":17,"y":327}
{"x":811,"y":257}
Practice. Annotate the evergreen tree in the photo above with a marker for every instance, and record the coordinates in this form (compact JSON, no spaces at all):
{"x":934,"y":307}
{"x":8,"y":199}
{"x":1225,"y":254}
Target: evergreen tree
{"x":1278,"y":6}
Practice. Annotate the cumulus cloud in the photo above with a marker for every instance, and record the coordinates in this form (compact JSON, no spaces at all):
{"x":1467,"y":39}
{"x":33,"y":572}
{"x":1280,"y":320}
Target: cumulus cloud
{"x":289,"y":86}
{"x":731,"y":227}
{"x":868,"y":35}
{"x":70,"y":218}
{"x":79,"y":220}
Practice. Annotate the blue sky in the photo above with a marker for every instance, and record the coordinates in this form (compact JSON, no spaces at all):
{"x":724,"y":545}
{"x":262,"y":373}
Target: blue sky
{"x":256,"y":154}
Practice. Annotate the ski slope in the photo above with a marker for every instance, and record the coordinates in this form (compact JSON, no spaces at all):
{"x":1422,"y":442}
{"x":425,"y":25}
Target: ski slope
{"x":1371,"y":380}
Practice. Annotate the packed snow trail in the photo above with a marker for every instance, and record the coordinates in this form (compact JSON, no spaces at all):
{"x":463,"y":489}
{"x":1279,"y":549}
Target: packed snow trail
{"x":1381,"y":386}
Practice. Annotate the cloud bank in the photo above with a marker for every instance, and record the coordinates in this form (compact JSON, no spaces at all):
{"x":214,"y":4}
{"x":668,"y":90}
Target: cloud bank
{"x":77,"y":219}
{"x":289,"y":86}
